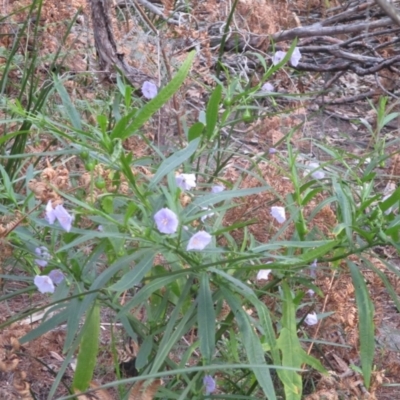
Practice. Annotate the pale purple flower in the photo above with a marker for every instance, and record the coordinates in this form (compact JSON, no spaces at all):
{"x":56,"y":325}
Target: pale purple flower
{"x":295,"y":57}
{"x":149,"y":90}
{"x":268,"y":87}
{"x":217,"y":189}
{"x":311,"y":319}
{"x":313,"y":268}
{"x":318,"y":174}
{"x":166,"y":221}
{"x":278,"y":57}
{"x":263,"y":274}
{"x":209,"y":384}
{"x":50,"y":215}
{"x":279,"y":214}
{"x":59,"y":213}
{"x":186,"y":181}
{"x":310,"y":292}
{"x":100,"y":228}
{"x":44,"y":284}
{"x":56,"y":276}
{"x":272,"y":150}
{"x":199,"y":241}
{"x":43,"y":256}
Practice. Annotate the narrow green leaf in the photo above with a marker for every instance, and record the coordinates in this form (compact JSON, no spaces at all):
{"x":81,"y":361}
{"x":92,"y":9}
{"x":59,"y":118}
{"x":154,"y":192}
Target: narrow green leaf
{"x":69,"y":107}
{"x":254,"y":350}
{"x":212,"y":110}
{"x":155,"y":104}
{"x":88,"y":350}
{"x":195,"y":131}
{"x":206,"y":319}
{"x":174,"y":161}
{"x":134,"y":276}
{"x":345,"y":208}
{"x":144,"y":352}
{"x":366,"y":325}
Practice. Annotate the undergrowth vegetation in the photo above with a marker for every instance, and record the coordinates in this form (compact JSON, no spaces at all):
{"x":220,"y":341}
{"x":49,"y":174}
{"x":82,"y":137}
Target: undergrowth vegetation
{"x":166,"y":243}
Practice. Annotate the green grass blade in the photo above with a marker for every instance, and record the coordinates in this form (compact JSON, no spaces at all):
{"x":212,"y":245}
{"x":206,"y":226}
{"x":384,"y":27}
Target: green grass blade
{"x":88,"y":350}
{"x":366,"y":325}
{"x":212,"y":110}
{"x":206,"y":319}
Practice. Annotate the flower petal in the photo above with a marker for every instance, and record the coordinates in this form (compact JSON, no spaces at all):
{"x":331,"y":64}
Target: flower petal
{"x":311,"y":319}
{"x":166,"y":221}
{"x":50,"y":215}
{"x":149,"y":90}
{"x":64,"y":218}
{"x":318,"y":174}
{"x":56,"y":276}
{"x":295,"y":57}
{"x":199,"y":241}
{"x":268,"y":87}
{"x":217,"y":189}
{"x":186,"y":181}
{"x":44,"y":284}
{"x":278,"y":57}
{"x":209,"y":384}
{"x":279,"y":214}
{"x":263,"y":274}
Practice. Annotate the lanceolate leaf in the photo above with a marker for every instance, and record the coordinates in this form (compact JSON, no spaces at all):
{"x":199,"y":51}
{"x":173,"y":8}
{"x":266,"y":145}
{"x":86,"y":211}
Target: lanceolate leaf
{"x":87,"y":351}
{"x":366,"y":322}
{"x":206,"y":319}
{"x":212,"y":110}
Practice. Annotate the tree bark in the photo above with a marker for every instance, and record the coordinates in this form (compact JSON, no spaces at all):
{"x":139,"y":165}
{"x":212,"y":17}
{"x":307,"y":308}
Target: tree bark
{"x":109,"y":59}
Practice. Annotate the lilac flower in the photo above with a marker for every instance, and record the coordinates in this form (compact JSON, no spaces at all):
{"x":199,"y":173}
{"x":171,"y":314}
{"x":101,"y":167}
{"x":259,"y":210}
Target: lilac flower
{"x":316,"y":174}
{"x":217,"y":189}
{"x":268,"y":87}
{"x":56,"y":276}
{"x":43,"y":256}
{"x":209,"y":384}
{"x":59,"y":213}
{"x":149,"y":90}
{"x":310,"y":292}
{"x":166,"y":221}
{"x":279,"y":214}
{"x":278,"y":57}
{"x":199,"y":241}
{"x":186,"y":181}
{"x":50,"y":216}
{"x":295,"y":57}
{"x":313,"y":268}
{"x":44,"y":284}
{"x":272,"y":150}
{"x":100,"y":228}
{"x":311,"y":319}
{"x":263,"y":274}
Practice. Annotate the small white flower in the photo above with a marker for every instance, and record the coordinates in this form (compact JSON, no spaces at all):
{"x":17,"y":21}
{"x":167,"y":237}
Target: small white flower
{"x":295,"y":57}
{"x":199,"y":241}
{"x":217,"y":189}
{"x":316,"y":174}
{"x":186,"y":181}
{"x":263,"y":274}
{"x":44,"y":284}
{"x":268,"y":87}
{"x":278,"y":57}
{"x":311,"y":319}
{"x":279,"y":214}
